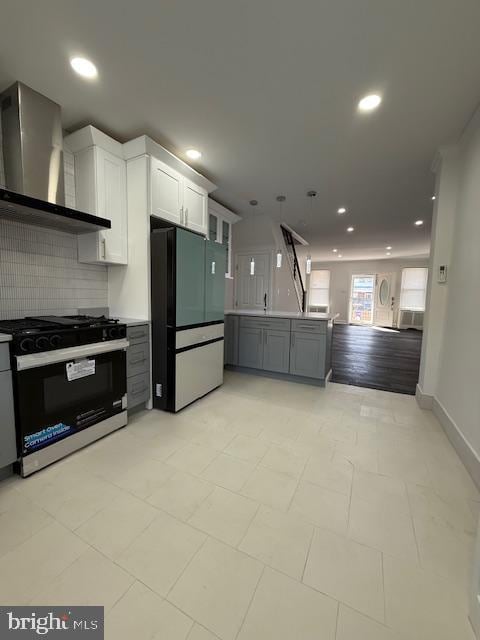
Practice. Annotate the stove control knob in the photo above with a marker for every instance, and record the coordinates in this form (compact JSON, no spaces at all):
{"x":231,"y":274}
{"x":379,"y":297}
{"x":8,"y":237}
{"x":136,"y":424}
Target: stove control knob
{"x":113,"y":332}
{"x":55,"y":341}
{"x":26,"y":345}
{"x":42,"y":343}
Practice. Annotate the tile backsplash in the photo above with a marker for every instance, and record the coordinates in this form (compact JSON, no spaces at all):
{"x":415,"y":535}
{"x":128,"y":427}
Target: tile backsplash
{"x":40,"y":273}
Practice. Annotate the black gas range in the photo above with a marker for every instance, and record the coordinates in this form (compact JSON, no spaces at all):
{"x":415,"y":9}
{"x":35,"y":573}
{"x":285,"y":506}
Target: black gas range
{"x":45,"y":333}
{"x":70,"y":387}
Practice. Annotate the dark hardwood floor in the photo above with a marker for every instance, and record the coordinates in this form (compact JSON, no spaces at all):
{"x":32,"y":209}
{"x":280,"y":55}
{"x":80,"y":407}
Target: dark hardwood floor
{"x":368,"y":357}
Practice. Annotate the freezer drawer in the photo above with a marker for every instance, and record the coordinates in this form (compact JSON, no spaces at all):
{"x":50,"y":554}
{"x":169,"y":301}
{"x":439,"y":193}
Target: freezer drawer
{"x":197,"y":372}
{"x":189,"y":337}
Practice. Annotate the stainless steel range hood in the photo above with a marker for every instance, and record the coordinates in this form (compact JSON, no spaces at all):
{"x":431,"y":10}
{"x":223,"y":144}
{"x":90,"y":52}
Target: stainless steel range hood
{"x":32,"y":143}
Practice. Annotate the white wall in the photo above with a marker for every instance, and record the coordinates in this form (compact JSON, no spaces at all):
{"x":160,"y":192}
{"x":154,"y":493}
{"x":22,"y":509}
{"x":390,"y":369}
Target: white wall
{"x":454,"y":343}
{"x":446,"y":190}
{"x":341,"y":278}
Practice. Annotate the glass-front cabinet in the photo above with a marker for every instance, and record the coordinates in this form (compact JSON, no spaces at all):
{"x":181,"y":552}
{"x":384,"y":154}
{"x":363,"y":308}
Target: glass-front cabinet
{"x":220,"y":223}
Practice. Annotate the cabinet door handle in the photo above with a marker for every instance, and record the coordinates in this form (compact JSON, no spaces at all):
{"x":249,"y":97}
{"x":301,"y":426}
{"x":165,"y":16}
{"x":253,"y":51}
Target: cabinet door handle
{"x":293,"y":339}
{"x":181,"y":214}
{"x":264,"y":337}
{"x":104,"y":248}
{"x":186,"y":216}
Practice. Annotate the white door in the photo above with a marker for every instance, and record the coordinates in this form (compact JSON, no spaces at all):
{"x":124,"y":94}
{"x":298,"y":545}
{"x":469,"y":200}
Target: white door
{"x":195,"y":207}
{"x":112,"y":204}
{"x":252,"y":282}
{"x":384,"y":300}
{"x":362,"y":299}
{"x":166,"y":192}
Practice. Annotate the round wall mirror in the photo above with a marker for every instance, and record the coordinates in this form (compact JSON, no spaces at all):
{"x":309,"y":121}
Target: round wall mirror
{"x":383,"y":293}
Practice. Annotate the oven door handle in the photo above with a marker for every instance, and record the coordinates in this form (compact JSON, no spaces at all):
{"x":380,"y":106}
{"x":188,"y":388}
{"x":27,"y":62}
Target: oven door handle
{"x":33,"y":360}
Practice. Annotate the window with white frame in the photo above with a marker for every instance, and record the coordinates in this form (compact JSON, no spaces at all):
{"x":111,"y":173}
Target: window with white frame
{"x":414,"y":289}
{"x":319,"y":290}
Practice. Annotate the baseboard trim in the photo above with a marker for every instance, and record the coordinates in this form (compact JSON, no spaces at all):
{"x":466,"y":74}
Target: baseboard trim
{"x":424,"y":401}
{"x":463,"y":448}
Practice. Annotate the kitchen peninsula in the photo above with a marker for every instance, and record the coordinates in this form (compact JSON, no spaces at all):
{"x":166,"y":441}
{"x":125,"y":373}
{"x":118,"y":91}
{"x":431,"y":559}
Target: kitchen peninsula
{"x":292,"y":346}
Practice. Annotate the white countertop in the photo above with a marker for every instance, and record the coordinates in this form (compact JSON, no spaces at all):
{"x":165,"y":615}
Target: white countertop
{"x":296,"y":315}
{"x":5,"y":337}
{"x":131,"y":322}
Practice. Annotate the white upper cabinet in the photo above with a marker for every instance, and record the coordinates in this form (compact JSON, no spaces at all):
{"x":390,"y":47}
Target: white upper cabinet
{"x":220,"y":222}
{"x":176,"y":192}
{"x":176,"y":198}
{"x":166,"y":192}
{"x":194,"y":207}
{"x":101,"y":189}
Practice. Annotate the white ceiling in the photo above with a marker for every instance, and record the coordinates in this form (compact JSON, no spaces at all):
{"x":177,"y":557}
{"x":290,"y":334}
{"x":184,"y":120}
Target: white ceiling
{"x":267,"y":90}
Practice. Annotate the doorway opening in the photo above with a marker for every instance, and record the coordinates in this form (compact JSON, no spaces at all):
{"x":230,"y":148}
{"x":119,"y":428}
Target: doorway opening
{"x":252,"y":281}
{"x":362,"y":299}
{"x":372,"y":299}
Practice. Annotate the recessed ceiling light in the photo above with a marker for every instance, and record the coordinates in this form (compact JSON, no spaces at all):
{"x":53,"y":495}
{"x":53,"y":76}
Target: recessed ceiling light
{"x":434,"y":197}
{"x":388,"y":248}
{"x":84,"y":67}
{"x":418,"y":223}
{"x":350,"y":229}
{"x":334,"y":250}
{"x":342,"y":210}
{"x":388,"y":253}
{"x":370,"y":102}
{"x":193,"y":154}
{"x":339,"y":255}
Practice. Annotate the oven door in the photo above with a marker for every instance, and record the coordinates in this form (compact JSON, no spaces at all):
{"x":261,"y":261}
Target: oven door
{"x":58,"y":399}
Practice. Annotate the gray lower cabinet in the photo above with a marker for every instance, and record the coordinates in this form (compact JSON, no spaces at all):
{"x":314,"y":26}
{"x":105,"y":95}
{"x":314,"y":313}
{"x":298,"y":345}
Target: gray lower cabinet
{"x":250,"y":347}
{"x":265,"y":349}
{"x":8,"y":444}
{"x":298,"y":348}
{"x":307,"y":355}
{"x":276,"y":350}
{"x":138,"y":365}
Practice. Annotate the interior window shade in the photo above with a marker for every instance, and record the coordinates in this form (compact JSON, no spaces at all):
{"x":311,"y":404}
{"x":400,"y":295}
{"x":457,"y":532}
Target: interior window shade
{"x":414,"y":289}
{"x":319,"y":288}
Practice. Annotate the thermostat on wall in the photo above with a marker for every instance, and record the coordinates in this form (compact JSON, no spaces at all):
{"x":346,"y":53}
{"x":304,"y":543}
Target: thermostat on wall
{"x":442,"y":273}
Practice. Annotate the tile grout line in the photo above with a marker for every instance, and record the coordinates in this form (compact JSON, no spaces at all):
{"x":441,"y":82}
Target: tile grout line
{"x":383,"y":591}
{"x":183,"y":571}
{"x":251,"y":601}
{"x":307,"y":555}
{"x":337,"y":619}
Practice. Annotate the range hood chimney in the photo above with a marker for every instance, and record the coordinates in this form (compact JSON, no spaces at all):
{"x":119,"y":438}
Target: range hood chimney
{"x":32,"y":142}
